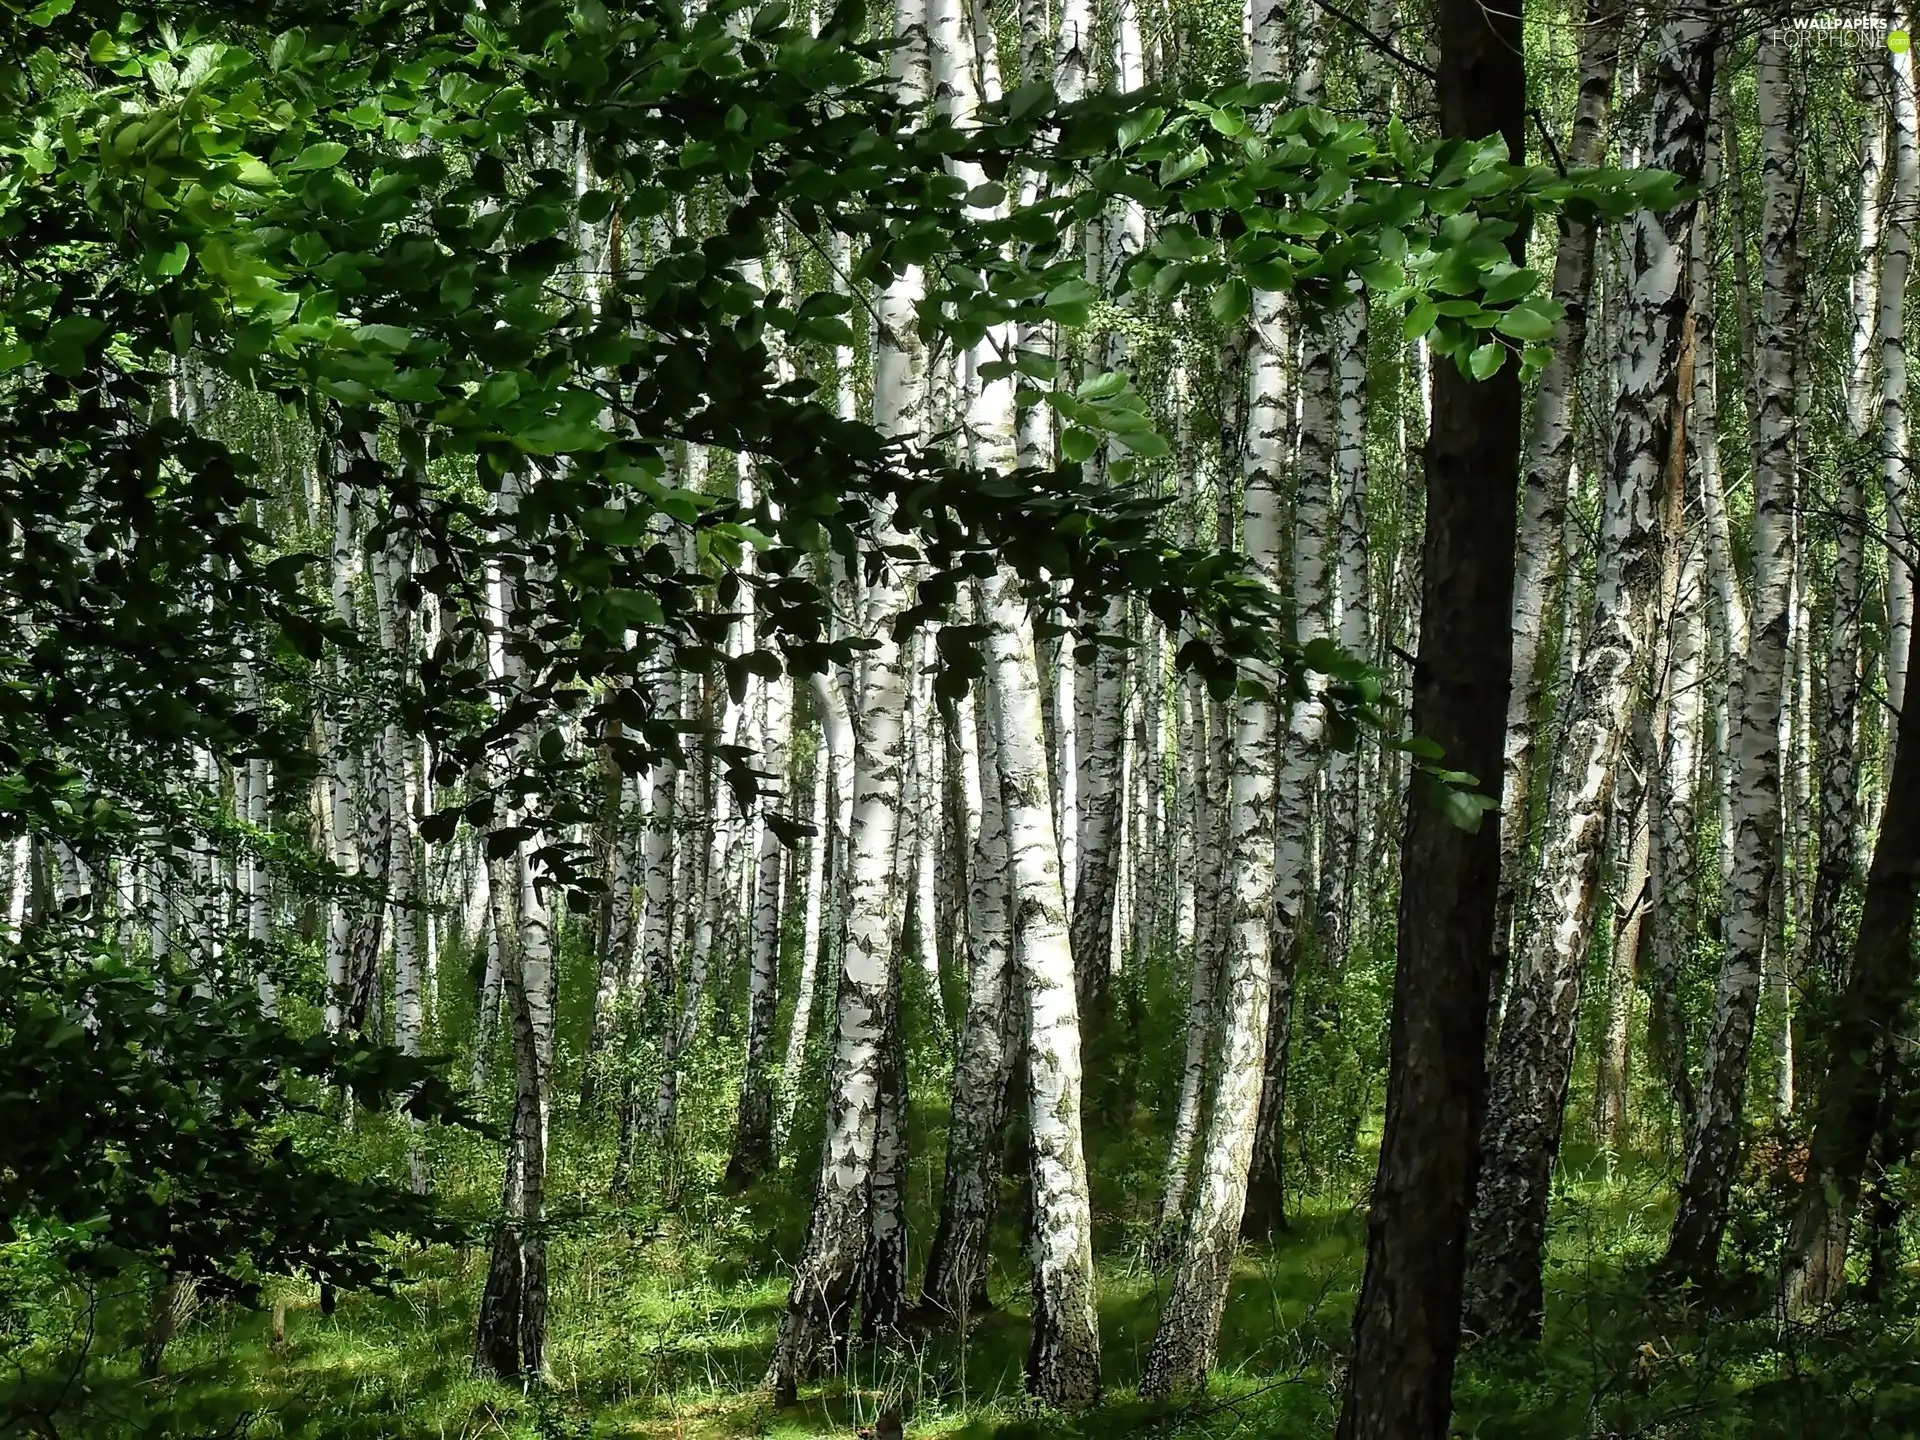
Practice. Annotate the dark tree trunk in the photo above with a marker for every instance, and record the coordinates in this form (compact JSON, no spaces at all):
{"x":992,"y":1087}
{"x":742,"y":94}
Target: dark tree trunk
{"x":1266,"y":1212}
{"x":983,"y":1071}
{"x":1860,"y":1094}
{"x":510,"y":1338}
{"x":883,"y":1269}
{"x":1407,"y":1325}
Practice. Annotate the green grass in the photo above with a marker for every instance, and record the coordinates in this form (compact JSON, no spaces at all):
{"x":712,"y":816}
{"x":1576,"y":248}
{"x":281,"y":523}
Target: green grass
{"x":664,"y":1310}
{"x":663,"y":1321}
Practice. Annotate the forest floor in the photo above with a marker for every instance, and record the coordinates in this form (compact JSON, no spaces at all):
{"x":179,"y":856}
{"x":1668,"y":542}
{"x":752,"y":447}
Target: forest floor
{"x":664,"y":1316}
{"x":665,"y":1305}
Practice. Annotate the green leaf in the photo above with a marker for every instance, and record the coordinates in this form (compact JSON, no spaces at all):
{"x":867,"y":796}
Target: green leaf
{"x":1036,"y":364}
{"x":561,"y":434}
{"x":1138,"y":126}
{"x":1464,"y":808}
{"x":1230,"y":302}
{"x":389,"y":338}
{"x":1030,"y":99}
{"x":633,"y":608}
{"x":1420,"y":320}
{"x":1228,"y":120}
{"x":1510,"y":287}
{"x":1181,"y":241}
{"x":1486,"y":360}
{"x":416,"y":387}
{"x":1078,"y":445}
{"x":1071,"y":303}
{"x":1272,"y":276}
{"x":321,"y":156}
{"x":1101,"y":387}
{"x":64,"y":348}
{"x":1528,"y":321}
{"x":347,"y":392}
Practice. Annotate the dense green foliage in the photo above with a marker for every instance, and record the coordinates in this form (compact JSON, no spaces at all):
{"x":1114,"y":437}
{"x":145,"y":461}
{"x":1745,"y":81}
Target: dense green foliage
{"x":549,"y":316}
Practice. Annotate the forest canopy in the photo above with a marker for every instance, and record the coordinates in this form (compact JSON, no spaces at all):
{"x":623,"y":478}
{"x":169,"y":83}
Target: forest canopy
{"x":729,"y":655}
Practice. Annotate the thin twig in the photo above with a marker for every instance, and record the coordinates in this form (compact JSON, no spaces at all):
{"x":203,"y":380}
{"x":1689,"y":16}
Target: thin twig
{"x":1380,"y":42}
{"x":1546,"y":135}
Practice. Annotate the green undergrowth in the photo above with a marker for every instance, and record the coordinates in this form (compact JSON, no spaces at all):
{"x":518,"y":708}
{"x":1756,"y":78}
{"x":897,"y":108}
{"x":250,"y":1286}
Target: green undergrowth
{"x":665,"y":1305}
{"x":664,"y":1315}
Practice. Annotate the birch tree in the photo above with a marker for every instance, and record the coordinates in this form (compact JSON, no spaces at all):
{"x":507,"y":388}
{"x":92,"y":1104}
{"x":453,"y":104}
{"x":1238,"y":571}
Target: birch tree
{"x":1535,"y":1048}
{"x":1713,"y":1143}
{"x":753,"y":1146}
{"x":1549,"y":467}
{"x":842,"y":1227}
{"x":1189,"y":1330}
{"x":511,"y":1332}
{"x":1896,"y":260}
{"x":1063,"y":1363}
{"x":956,"y":1280}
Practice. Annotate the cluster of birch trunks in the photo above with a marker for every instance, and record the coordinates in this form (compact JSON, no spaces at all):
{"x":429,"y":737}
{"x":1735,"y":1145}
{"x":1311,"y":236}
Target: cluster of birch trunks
{"x":1711,"y":625}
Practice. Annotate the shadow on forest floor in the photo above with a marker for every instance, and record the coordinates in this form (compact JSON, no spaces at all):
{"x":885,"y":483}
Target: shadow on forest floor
{"x":664,"y":1331}
{"x":664,"y":1314}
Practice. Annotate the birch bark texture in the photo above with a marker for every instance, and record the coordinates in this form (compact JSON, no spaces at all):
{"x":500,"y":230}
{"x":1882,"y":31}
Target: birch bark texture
{"x":1839,"y":783}
{"x":842,"y":1228}
{"x":1063,"y":1361}
{"x":1713,"y":1143}
{"x":955,"y":1287}
{"x":1534,"y":1058}
{"x":1549,"y":467}
{"x":956,"y":1280}
{"x":1896,"y":261}
{"x":1188,"y":1334}
{"x":1859,"y":1089}
{"x":511,"y":1331}
{"x":753,"y":1145}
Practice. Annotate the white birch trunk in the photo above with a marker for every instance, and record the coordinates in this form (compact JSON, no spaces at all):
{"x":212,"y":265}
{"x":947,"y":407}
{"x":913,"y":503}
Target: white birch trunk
{"x":391,"y":567}
{"x":1675,"y":799}
{"x":1839,"y":784}
{"x":513,"y":1308}
{"x":920,"y":812}
{"x":1633,"y":841}
{"x":1896,"y":259}
{"x":841,"y":1228}
{"x":956,"y":1283}
{"x":259,"y":882}
{"x":1064,"y":1360}
{"x":1538,"y":557}
{"x":618,"y":914}
{"x":1301,"y":750}
{"x":1353,"y":628}
{"x":1184,"y":1344}
{"x":826,"y":870}
{"x":1535,"y":1050}
{"x":1714,"y":1139}
{"x":343,"y":764}
{"x":753,"y":1145}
